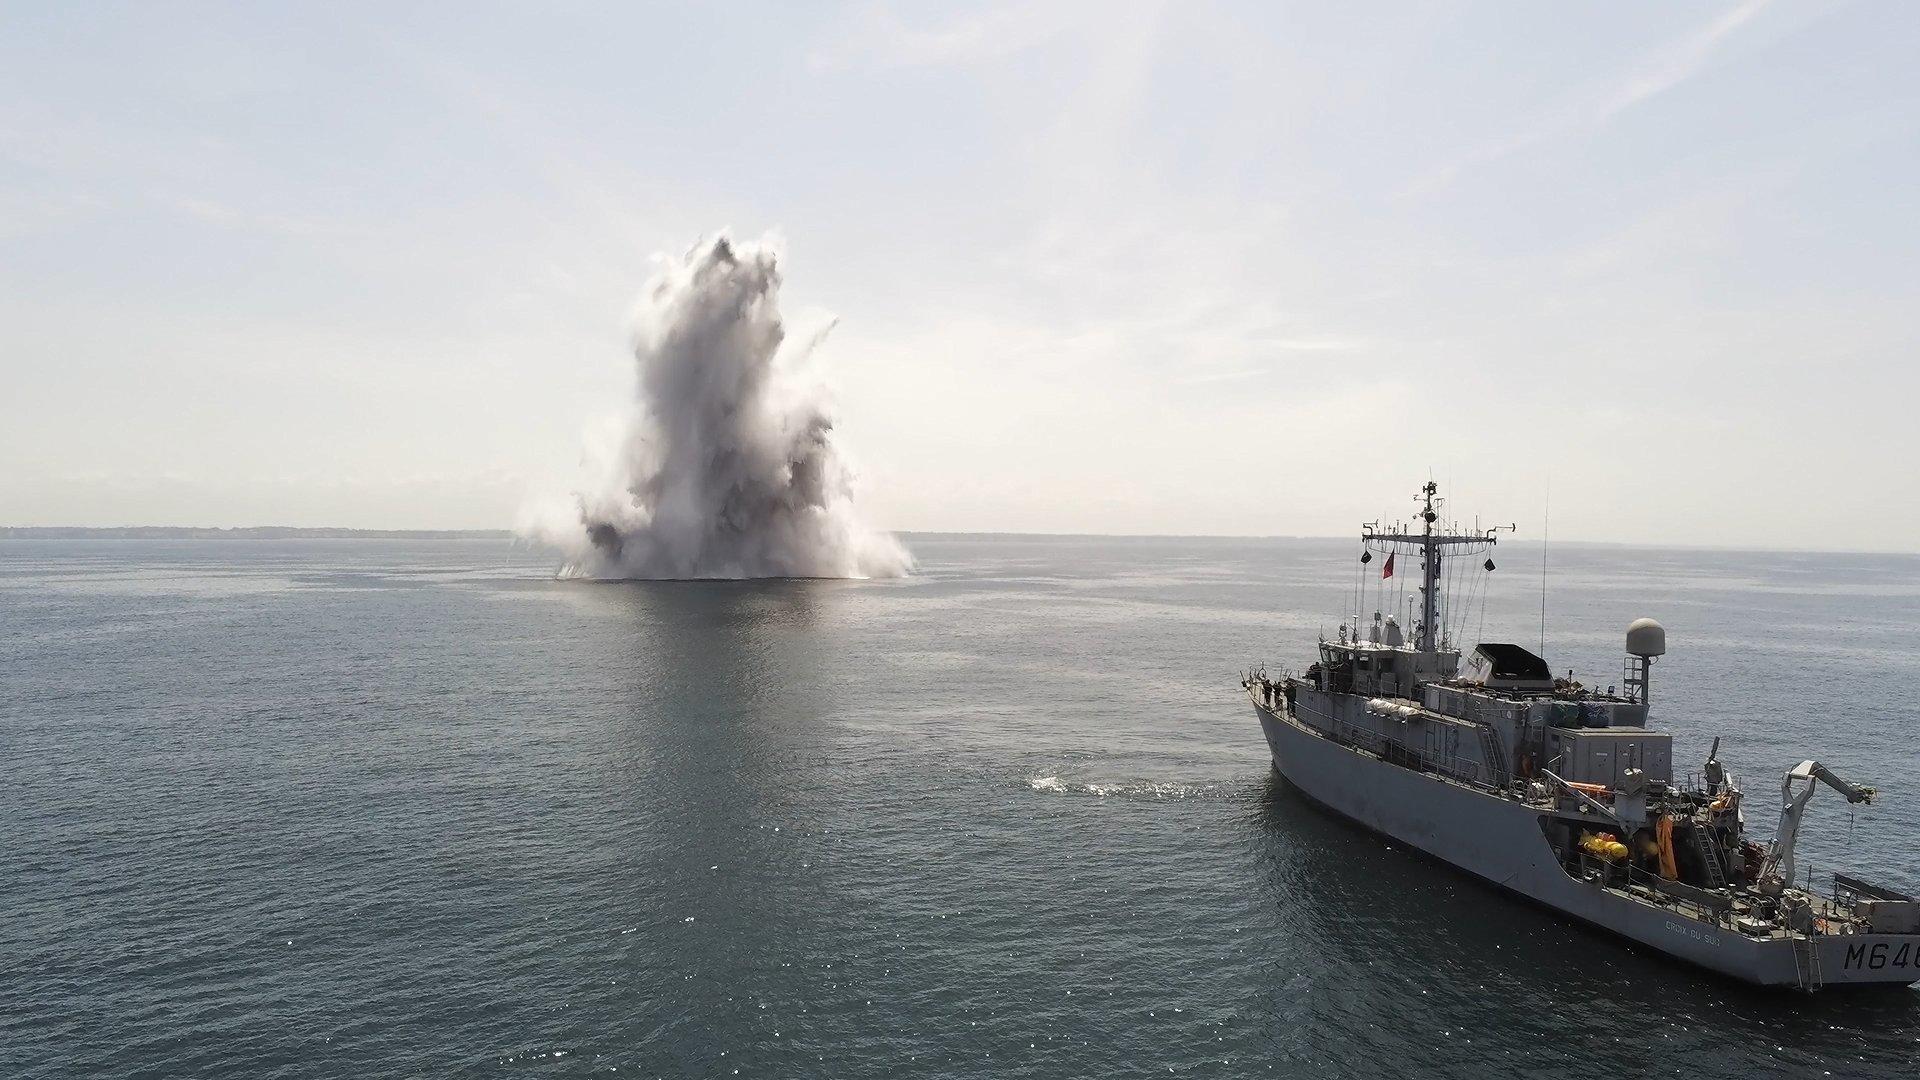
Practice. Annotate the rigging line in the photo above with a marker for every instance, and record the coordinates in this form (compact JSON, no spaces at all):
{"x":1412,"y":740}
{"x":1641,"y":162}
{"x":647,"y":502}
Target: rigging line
{"x":1449,"y":615}
{"x":1466,"y":608}
{"x":1459,"y":594}
{"x":1360,"y":591}
{"x":1466,"y":588}
{"x":1381,"y":592}
{"x":1379,"y":583}
{"x":1546,"y":520}
{"x":1368,"y":577}
{"x":1481,"y":583}
{"x":1374,"y":602}
{"x":1360,"y":594}
{"x":1359,"y":583}
{"x":1366,"y":588}
{"x":1486,"y":587}
{"x":1485,"y":591}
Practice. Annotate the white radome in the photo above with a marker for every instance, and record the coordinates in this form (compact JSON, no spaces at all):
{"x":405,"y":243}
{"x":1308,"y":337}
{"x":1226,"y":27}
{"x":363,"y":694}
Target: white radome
{"x":1646,"y":638}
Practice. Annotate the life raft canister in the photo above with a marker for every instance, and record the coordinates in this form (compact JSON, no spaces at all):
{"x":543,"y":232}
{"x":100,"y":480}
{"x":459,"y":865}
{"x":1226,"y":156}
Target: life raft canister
{"x":1603,"y":846}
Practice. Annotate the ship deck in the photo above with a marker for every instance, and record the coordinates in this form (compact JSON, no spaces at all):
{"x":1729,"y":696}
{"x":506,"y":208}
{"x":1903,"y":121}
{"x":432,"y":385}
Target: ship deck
{"x":1640,"y":887}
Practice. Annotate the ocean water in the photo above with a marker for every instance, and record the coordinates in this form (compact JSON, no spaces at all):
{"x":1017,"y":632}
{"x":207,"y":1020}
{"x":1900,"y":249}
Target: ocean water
{"x":414,"y":808}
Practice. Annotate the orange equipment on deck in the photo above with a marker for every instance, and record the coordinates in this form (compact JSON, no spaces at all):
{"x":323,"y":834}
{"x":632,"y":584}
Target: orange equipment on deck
{"x":1669,"y":868}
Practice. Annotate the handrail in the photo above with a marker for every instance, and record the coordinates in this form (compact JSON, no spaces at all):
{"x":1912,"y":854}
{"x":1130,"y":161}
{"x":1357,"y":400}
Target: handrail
{"x":1719,"y":915}
{"x":1378,"y":744}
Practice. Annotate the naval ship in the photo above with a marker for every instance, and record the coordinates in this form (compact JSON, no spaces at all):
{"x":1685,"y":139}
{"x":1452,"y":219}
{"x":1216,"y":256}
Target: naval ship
{"x":1563,"y":793}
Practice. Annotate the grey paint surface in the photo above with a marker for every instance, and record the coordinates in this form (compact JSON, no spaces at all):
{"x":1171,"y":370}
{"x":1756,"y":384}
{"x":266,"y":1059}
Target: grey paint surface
{"x":1500,"y":840}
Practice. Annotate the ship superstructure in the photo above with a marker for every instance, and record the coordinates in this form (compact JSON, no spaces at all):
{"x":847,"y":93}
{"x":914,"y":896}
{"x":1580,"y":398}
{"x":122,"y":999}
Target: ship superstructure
{"x":1563,"y":793}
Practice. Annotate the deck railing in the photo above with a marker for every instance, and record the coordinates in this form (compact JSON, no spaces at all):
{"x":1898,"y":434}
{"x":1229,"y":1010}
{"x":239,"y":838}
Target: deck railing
{"x":1686,"y":899}
{"x":1394,"y":751}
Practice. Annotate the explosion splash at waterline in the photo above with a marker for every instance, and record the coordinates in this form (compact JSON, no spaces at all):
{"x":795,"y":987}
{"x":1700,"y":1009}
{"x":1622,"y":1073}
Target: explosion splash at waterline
{"x":726,"y":465}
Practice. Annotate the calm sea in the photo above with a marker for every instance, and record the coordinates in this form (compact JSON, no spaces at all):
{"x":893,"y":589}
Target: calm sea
{"x":372,"y":808}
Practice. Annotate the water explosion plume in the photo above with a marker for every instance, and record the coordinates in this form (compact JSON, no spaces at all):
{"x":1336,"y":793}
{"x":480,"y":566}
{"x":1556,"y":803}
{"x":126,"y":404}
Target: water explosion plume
{"x":726,"y":466}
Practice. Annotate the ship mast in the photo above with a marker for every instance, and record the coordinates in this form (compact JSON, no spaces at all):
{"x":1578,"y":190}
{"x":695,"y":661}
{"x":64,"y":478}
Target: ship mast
{"x":1432,"y":547}
{"x":1429,"y":572}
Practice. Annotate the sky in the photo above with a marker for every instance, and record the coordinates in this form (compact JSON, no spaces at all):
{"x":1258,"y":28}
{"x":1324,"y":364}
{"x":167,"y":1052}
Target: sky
{"x":1194,"y":268}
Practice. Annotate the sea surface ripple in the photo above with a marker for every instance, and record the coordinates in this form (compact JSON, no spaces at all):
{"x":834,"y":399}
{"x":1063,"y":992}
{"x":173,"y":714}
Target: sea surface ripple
{"x":414,"y":808}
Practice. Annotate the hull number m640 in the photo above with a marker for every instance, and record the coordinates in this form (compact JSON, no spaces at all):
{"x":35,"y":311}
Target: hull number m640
{"x":1879,"y":955}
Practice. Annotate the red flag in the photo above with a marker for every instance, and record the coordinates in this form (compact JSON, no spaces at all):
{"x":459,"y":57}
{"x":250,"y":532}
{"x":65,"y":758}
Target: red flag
{"x":1387,"y":570}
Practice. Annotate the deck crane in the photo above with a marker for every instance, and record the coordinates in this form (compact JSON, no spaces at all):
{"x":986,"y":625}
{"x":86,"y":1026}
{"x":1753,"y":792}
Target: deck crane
{"x":1796,"y":789}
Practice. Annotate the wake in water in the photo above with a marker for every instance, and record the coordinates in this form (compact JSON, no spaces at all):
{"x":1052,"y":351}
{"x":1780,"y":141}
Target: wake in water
{"x":726,"y":466}
{"x":1144,"y":789}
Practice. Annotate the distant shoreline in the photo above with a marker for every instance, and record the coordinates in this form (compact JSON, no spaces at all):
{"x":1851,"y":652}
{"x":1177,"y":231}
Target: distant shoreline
{"x":254,"y":532}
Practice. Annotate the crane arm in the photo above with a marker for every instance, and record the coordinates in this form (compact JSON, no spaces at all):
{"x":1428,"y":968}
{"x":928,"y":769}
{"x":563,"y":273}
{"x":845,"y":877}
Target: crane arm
{"x":1855,"y":793}
{"x":1796,"y":789}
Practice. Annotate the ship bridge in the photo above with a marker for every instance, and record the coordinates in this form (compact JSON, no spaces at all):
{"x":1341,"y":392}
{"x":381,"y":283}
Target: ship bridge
{"x":1381,"y":670}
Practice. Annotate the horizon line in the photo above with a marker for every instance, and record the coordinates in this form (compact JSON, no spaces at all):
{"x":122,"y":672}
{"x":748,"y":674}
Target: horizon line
{"x":332,"y":532}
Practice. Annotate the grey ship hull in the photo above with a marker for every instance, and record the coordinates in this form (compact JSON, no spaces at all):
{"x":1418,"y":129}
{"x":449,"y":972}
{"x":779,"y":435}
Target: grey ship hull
{"x":1501,"y":840}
